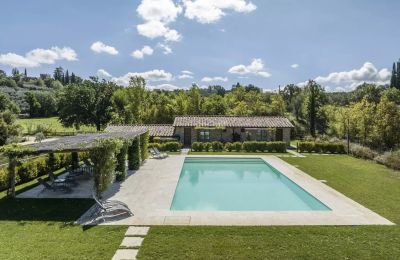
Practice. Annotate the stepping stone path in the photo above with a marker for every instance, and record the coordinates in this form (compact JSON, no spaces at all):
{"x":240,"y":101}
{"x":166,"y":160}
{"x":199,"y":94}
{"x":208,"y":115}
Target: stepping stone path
{"x":130,"y":244}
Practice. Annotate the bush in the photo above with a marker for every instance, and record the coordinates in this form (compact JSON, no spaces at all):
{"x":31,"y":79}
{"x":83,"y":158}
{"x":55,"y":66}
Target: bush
{"x":121,"y":162}
{"x":362,"y":152}
{"x":217,"y":146}
{"x":3,"y":179}
{"x":250,"y":146}
{"x":237,"y":146}
{"x":155,"y":145}
{"x":279,"y":147}
{"x":389,"y":159}
{"x":33,"y":168}
{"x":120,"y":176}
{"x":171,"y":146}
{"x":134,"y":155}
{"x":320,"y":147}
{"x":229,"y":147}
{"x":197,"y":147}
{"x":206,"y":147}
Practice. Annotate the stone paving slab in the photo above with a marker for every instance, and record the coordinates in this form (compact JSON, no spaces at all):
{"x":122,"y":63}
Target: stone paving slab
{"x":125,"y":254}
{"x":131,"y":242}
{"x":137,"y":231}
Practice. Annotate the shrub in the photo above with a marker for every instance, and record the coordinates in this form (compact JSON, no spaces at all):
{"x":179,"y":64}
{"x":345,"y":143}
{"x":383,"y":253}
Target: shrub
{"x":237,"y":146}
{"x":170,"y":146}
{"x":134,"y":155}
{"x":121,"y":162}
{"x":250,"y":146}
{"x":197,"y":146}
{"x":391,"y":160}
{"x":320,"y":147}
{"x":217,"y":146}
{"x":3,"y":178}
{"x":362,"y":152}
{"x":206,"y":147}
{"x":155,"y":145}
{"x":279,"y":147}
{"x":144,"y":146}
{"x":120,"y":176}
{"x":229,"y":147}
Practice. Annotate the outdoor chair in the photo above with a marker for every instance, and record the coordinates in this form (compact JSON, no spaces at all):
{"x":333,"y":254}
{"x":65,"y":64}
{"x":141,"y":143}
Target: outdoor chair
{"x":54,"y":186}
{"x":112,"y":208}
{"x":160,"y":153}
{"x":109,"y":203}
{"x":68,"y":180}
{"x":157,"y":155}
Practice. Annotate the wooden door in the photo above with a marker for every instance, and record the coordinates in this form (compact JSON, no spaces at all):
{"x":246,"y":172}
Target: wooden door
{"x":187,"y":136}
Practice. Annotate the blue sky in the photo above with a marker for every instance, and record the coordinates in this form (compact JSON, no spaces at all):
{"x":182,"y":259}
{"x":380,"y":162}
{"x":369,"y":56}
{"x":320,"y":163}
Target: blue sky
{"x":339,"y":43}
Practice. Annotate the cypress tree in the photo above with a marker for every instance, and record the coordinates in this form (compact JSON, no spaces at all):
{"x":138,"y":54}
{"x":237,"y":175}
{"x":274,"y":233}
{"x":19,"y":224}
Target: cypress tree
{"x":73,"y":78}
{"x":67,"y":77}
{"x":398,"y":75}
{"x":26,"y":74}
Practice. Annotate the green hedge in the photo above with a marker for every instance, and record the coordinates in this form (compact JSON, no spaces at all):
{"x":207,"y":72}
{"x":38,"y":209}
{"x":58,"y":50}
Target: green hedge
{"x":249,"y":146}
{"x":168,"y":146}
{"x":36,"y":167}
{"x":144,"y":146}
{"x":253,"y":146}
{"x":134,"y":154}
{"x":320,"y":147}
{"x":120,"y":169}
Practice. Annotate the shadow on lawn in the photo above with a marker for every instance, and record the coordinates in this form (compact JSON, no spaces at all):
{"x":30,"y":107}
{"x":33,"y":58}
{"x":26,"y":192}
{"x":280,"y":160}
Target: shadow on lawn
{"x":65,"y":210}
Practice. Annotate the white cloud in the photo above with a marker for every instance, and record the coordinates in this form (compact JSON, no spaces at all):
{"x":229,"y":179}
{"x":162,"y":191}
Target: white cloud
{"x":139,"y":54}
{"x":349,"y":80}
{"x":37,"y":57}
{"x":103,"y":74}
{"x":294,"y":66}
{"x":256,"y":67}
{"x":100,"y":47}
{"x":166,"y":49}
{"x":185,"y":76}
{"x":210,"y":11}
{"x":187,"y":72}
{"x":159,"y":10}
{"x":152,"y":75}
{"x":169,"y":87}
{"x":157,"y":14}
{"x":211,"y":79}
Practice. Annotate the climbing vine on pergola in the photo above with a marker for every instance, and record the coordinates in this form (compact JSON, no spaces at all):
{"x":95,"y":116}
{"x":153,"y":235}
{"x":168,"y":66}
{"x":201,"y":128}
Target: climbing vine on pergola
{"x":102,"y":148}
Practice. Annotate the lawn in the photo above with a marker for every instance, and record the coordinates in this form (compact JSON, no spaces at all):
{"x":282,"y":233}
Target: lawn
{"x":368,"y":183}
{"x":51,"y":124}
{"x":43,"y":229}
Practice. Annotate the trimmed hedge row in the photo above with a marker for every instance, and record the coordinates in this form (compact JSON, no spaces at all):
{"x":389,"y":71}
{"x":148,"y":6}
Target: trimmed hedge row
{"x":168,"y":146}
{"x":249,"y":146}
{"x":31,"y":169}
{"x":320,"y":147}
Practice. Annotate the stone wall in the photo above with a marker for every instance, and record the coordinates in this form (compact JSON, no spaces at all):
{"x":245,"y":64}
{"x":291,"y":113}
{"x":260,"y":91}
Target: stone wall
{"x":227,"y":134}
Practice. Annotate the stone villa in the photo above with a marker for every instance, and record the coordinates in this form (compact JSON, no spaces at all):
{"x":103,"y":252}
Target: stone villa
{"x":189,"y":129}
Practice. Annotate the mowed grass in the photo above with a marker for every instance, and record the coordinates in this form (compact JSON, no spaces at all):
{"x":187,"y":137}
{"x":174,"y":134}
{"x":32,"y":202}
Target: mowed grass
{"x":50,"y":123}
{"x":370,"y":184}
{"x":43,"y":229}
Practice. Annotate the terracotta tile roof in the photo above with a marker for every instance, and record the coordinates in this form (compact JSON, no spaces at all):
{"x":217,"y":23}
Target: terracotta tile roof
{"x":233,"y":121}
{"x":155,"y":130}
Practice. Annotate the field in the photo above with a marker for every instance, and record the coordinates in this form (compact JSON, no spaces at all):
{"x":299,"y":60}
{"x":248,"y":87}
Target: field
{"x":51,"y":124}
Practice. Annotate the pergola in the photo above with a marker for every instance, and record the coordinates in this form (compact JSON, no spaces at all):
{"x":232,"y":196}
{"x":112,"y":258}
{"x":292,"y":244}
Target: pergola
{"x":81,"y":142}
{"x":135,"y":143}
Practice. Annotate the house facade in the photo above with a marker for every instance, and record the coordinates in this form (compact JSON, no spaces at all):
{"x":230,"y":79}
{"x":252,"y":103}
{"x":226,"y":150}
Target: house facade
{"x":189,"y":129}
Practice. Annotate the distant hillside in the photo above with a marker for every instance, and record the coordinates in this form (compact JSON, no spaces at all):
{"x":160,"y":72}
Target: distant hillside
{"x":17,"y":94}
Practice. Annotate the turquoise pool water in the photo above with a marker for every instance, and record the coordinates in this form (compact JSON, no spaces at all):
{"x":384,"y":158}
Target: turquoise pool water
{"x":222,"y":184}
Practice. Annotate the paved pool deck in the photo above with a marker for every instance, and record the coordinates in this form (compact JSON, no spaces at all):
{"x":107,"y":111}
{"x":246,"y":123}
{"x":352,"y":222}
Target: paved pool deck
{"x":149,"y":193}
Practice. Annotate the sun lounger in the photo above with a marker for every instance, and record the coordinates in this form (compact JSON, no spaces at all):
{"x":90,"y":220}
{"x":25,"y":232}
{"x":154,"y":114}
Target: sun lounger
{"x":112,"y":208}
{"x":157,"y":155}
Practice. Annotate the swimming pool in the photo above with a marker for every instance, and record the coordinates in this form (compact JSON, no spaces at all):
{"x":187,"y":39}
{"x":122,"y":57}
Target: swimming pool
{"x":239,"y":184}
